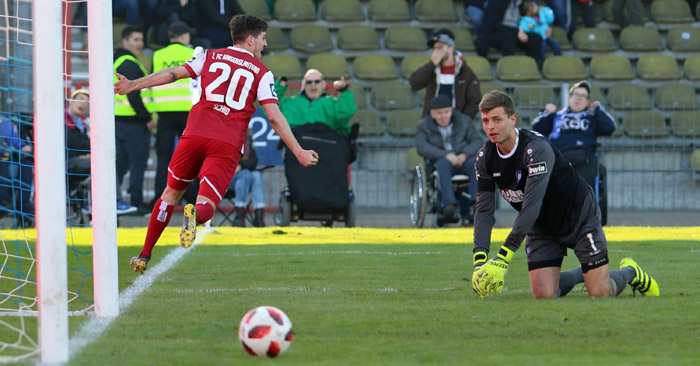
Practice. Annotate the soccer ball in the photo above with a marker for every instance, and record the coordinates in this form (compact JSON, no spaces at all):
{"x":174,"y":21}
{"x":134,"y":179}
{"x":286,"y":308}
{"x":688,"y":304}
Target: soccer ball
{"x":265,"y":331}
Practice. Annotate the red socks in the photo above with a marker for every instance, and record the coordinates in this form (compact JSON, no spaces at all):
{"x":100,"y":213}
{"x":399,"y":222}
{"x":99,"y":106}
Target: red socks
{"x":162,"y":212}
{"x":205,"y":212}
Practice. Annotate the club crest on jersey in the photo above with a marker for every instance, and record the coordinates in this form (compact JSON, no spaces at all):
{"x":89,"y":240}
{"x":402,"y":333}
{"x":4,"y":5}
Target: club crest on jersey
{"x":537,"y":168}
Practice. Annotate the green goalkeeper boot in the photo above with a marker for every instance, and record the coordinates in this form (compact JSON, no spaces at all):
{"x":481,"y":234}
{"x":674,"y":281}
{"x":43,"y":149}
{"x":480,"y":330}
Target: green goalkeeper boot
{"x":642,"y":282}
{"x":189,"y":226}
{"x":139,"y":263}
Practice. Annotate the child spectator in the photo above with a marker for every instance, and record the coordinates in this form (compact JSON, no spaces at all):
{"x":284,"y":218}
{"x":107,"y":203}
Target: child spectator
{"x":536,"y":19}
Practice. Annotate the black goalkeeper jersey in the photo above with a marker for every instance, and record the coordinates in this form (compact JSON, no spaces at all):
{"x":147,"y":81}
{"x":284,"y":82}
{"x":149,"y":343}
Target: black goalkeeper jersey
{"x":536,"y":180}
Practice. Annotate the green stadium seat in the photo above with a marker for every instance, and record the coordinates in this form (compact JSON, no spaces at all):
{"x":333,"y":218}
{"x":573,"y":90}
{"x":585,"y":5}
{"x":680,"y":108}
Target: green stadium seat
{"x":360,"y":95}
{"x":658,"y":67}
{"x":611,"y":67}
{"x":673,"y":96}
{"x":311,"y":39}
{"x":358,"y":38}
{"x":389,"y":11}
{"x":695,"y":157}
{"x":283,"y":65}
{"x":330,"y":65}
{"x":258,"y":8}
{"x":691,"y":67}
{"x":275,"y":39}
{"x":436,"y":11}
{"x":533,"y":96}
{"x":392,"y":95}
{"x":405,"y":39}
{"x":421,"y":96}
{"x":671,"y":11}
{"x":412,"y":159}
{"x":342,"y":11}
{"x":375,"y":67}
{"x":562,"y":68}
{"x":683,"y":39}
{"x":594,"y":40}
{"x":411,"y":63}
{"x":480,"y":66}
{"x":117,"y":29}
{"x":597,"y":95}
{"x":560,"y":36}
{"x":640,"y":38}
{"x":403,"y":122}
{"x":629,"y":96}
{"x":488,"y":86}
{"x":370,"y":124}
{"x":686,"y":124}
{"x":517,"y":68}
{"x":295,"y":10}
{"x":645,"y":124}
{"x":609,"y":17}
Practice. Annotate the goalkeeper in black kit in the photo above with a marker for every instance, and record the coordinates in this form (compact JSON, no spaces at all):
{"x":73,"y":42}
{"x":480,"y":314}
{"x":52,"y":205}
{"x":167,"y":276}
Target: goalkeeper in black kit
{"x":557,"y":211}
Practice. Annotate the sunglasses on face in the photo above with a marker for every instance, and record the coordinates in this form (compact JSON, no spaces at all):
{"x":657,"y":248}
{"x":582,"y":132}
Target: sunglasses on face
{"x":309,"y":82}
{"x":582,"y":96}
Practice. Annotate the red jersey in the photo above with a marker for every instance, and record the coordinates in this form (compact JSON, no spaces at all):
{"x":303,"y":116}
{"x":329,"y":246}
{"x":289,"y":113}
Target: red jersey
{"x":232,"y":80}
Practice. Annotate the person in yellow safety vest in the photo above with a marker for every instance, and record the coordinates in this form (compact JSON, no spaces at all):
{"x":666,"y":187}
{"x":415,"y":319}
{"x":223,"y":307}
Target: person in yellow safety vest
{"x":133,"y":123}
{"x":172,"y":102}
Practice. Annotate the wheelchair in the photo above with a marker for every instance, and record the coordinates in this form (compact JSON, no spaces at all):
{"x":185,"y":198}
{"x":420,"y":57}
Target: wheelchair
{"x":425,"y":195}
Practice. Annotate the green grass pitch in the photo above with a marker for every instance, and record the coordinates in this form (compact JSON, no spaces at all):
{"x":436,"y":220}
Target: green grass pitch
{"x":396,"y":297}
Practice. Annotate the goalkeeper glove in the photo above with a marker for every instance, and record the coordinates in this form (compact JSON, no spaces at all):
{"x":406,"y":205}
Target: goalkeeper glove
{"x":494,"y":271}
{"x":479,"y":261}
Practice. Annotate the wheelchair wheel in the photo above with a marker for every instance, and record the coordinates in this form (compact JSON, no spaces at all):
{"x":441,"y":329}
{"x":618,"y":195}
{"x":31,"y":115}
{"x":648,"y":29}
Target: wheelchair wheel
{"x":418,"y":199}
{"x":283,"y":214}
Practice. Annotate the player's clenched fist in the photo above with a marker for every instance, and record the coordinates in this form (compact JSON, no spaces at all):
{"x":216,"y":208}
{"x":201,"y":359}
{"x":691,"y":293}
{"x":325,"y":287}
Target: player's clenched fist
{"x":307,"y":157}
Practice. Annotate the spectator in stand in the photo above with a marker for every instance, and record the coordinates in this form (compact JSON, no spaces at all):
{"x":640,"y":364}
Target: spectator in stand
{"x":314,"y":105}
{"x":475,"y":12}
{"x":133,"y":123}
{"x":499,"y":29}
{"x":214,"y":18}
{"x":635,"y":12}
{"x":77,"y":138}
{"x":171,"y":11}
{"x":248,"y":180}
{"x":447,"y":74}
{"x":16,"y":174}
{"x":132,"y":10}
{"x":585,"y":7}
{"x":536,"y":19}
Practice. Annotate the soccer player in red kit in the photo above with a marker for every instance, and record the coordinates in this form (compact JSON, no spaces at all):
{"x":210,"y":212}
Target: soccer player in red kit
{"x":211,"y":146}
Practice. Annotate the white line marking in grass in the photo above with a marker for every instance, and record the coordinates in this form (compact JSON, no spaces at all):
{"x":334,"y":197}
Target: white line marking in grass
{"x":318,"y":252}
{"x":95,"y":326}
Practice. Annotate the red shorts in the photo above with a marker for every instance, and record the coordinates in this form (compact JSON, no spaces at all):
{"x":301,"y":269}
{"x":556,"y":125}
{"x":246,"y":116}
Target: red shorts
{"x":214,"y":161}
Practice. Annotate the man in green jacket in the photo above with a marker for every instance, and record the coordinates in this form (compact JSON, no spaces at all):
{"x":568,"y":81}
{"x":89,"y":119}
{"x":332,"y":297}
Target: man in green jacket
{"x":314,"y":105}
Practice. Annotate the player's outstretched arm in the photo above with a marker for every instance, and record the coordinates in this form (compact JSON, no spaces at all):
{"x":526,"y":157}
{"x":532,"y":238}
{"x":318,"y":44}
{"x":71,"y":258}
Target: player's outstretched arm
{"x":280,"y":125}
{"x":165,"y":76}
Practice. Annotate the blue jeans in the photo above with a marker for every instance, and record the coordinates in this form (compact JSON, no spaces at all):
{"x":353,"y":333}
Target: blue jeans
{"x":445,"y":172}
{"x":475,"y":15}
{"x":551,"y":42}
{"x":559,"y":9}
{"x":248,"y":181}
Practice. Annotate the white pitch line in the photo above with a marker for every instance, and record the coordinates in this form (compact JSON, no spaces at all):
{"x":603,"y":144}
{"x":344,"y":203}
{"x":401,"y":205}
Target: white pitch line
{"x":95,"y":326}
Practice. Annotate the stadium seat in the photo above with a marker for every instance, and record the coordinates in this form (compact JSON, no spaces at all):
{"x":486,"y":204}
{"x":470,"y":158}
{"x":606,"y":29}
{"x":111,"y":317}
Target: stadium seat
{"x":370,"y":124}
{"x":488,"y":86}
{"x":463,"y":39}
{"x":402,"y":122}
{"x":597,"y":95}
{"x":411,"y":63}
{"x":330,"y":65}
{"x":674,"y":96}
{"x":658,"y":67}
{"x":389,"y":11}
{"x":283,"y":65}
{"x":686,"y":124}
{"x":480,"y":66}
{"x":609,"y":17}
{"x":360,"y":96}
{"x":405,"y":39}
{"x":629,"y":96}
{"x":691,"y":67}
{"x":683,"y":39}
{"x":611,"y":67}
{"x":295,"y":10}
{"x":640,"y":38}
{"x":561,"y":68}
{"x":645,"y":124}
{"x":517,"y":68}
{"x":412,"y":159}
{"x":421,"y":96}
{"x":117,"y":29}
{"x":695,"y":157}
{"x":342,"y":10}
{"x":375,"y":67}
{"x":275,"y":39}
{"x":392,"y":95}
{"x":671,"y":11}
{"x":560,"y":36}
{"x":258,"y":8}
{"x":594,"y":40}
{"x":436,"y":11}
{"x":358,"y":38}
{"x":535,"y":96}
{"x":311,"y":39}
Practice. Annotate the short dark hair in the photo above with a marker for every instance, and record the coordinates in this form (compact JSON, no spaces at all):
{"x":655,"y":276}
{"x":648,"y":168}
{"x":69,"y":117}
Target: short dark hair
{"x":244,"y":25}
{"x":495,"y":99}
{"x":525,"y":6}
{"x":129,"y":30}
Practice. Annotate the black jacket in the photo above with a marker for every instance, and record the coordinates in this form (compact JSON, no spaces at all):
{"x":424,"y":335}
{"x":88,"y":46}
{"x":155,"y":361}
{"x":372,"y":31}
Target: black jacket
{"x":132,"y":71}
{"x":210,"y":12}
